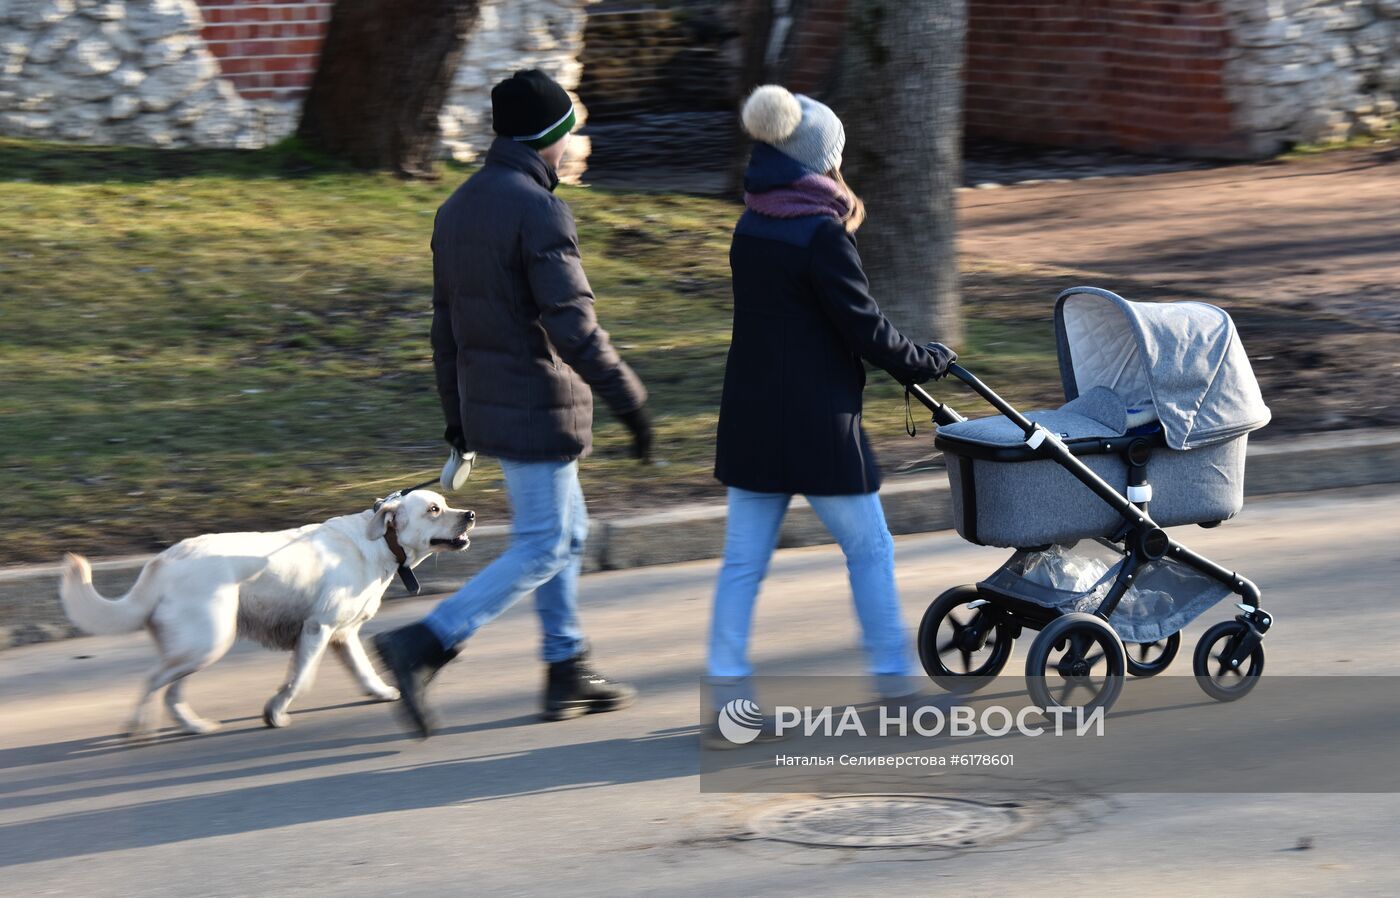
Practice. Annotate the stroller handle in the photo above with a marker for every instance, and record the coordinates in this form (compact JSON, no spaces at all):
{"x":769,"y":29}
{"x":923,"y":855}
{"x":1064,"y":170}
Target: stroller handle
{"x":942,"y":414}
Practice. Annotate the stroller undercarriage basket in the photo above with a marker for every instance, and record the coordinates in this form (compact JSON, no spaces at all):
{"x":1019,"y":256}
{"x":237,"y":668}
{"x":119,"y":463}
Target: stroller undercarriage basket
{"x":1164,"y":598}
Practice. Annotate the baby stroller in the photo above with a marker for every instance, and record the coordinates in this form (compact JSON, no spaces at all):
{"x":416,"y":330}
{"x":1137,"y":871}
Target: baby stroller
{"x":1161,"y":400}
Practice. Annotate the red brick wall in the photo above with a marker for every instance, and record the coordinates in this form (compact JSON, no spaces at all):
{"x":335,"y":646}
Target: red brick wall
{"x":1144,"y":75}
{"x":267,"y":48}
{"x":1141,"y":75}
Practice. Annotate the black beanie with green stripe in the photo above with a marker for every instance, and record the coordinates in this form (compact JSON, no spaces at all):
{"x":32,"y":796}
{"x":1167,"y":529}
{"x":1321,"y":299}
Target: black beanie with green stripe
{"x":530,"y":107}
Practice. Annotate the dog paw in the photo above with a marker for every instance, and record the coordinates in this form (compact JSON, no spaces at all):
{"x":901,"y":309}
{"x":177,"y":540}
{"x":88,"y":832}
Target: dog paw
{"x":276,"y":718}
{"x":387,"y":694}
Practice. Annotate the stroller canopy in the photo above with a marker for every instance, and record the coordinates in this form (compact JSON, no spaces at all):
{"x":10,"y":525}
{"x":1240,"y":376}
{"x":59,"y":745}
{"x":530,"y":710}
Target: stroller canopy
{"x":1180,"y":362}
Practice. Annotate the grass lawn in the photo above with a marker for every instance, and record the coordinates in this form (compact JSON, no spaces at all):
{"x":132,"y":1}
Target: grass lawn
{"x":208,"y":340}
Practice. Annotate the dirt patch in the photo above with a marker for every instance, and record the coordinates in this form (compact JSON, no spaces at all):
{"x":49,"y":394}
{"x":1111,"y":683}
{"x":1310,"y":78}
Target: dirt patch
{"x":1305,"y":255}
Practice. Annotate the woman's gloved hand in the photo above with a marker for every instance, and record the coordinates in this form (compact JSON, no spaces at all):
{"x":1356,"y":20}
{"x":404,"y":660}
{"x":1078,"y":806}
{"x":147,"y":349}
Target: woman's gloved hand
{"x":942,"y":358}
{"x":638,"y":422}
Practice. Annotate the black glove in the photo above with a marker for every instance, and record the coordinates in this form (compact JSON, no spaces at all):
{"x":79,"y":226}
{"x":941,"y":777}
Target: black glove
{"x":456,"y":439}
{"x":639,"y":422}
{"x":942,"y":358}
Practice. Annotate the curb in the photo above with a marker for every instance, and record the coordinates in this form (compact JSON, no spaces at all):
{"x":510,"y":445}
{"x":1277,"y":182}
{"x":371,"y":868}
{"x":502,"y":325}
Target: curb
{"x":30,"y":611}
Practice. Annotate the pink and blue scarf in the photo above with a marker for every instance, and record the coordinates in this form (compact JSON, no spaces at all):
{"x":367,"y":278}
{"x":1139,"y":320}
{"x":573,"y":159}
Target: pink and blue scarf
{"x":812,"y":194}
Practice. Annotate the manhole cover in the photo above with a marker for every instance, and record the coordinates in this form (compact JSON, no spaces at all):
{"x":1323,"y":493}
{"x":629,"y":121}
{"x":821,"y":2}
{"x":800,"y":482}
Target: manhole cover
{"x":890,"y":821}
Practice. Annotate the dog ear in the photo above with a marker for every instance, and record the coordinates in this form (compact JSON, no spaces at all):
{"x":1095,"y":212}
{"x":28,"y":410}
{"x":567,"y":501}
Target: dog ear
{"x":383,"y":516}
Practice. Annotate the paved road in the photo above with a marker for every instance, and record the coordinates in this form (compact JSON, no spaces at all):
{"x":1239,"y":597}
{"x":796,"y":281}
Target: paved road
{"x":341,"y":804}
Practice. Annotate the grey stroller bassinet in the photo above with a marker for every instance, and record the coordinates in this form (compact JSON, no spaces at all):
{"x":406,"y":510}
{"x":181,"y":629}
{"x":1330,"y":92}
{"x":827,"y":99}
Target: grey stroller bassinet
{"x":1174,"y":373}
{"x":1160,"y":402}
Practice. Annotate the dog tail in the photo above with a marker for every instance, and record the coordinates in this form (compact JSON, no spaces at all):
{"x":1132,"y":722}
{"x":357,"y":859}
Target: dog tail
{"x":95,"y":613}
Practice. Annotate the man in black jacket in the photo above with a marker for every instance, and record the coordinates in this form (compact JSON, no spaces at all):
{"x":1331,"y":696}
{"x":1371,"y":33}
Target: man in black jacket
{"x":516,"y":348}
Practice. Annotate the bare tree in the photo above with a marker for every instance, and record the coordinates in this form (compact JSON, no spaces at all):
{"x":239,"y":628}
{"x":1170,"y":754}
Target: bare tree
{"x":386,"y":66}
{"x":901,"y":95}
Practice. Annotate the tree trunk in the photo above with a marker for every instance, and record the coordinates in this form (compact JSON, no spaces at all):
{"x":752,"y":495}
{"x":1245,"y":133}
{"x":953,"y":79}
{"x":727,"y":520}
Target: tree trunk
{"x":901,"y":92}
{"x":386,"y":66}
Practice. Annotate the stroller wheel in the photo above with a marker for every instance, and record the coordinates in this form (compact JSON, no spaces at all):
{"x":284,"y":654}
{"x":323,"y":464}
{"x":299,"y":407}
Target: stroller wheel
{"x":1212,"y":666}
{"x":1147,"y":659}
{"x":963,"y":648}
{"x":1077,"y":661}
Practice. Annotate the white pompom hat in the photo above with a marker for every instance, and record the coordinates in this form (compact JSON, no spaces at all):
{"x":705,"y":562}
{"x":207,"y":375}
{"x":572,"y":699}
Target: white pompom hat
{"x":796,"y":126}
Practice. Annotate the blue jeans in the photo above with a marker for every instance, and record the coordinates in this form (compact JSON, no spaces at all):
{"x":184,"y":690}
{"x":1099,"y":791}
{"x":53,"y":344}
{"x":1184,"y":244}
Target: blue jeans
{"x":548,"y":530}
{"x":858,"y":523}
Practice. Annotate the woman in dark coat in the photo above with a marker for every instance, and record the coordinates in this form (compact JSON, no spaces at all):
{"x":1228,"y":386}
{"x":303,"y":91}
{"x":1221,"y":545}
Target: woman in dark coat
{"x":790,"y":418}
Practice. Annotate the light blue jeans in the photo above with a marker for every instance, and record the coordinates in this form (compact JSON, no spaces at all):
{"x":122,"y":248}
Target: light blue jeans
{"x":549,"y":526}
{"x":751,"y":535}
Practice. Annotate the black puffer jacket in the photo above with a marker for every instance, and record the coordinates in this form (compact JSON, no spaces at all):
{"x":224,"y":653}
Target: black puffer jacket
{"x":516,"y":345}
{"x":790,"y":417}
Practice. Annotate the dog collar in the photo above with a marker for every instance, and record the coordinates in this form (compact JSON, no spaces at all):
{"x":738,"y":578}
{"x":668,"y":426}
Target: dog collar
{"x":410,"y":582}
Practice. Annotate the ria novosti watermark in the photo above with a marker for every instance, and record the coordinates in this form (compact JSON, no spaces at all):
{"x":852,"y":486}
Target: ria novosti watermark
{"x":825,"y":734}
{"x":741,"y":721}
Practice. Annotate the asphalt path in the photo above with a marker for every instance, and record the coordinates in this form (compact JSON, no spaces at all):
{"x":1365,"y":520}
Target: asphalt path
{"x":341,"y":803}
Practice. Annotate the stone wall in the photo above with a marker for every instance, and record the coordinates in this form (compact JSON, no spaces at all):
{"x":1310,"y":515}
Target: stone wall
{"x":163,"y":73}
{"x":1186,"y":77}
{"x":1314,"y":71}
{"x":642,"y":58}
{"x":1210,"y":77}
{"x":107,"y":71}
{"x":512,"y":35}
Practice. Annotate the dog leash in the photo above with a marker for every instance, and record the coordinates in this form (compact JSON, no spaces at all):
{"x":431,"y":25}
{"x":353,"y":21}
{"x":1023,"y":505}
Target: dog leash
{"x":364,"y":483}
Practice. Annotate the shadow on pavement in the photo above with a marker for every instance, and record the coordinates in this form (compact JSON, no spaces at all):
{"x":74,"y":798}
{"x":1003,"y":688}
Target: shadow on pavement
{"x":661,"y":755}
{"x":102,"y":746}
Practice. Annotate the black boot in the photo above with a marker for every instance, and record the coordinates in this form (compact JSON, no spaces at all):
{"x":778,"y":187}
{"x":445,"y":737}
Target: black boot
{"x":573,"y":688}
{"x":413,"y":656}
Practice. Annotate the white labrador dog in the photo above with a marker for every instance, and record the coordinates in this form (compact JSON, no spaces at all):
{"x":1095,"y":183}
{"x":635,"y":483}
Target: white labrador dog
{"x":303,"y":590}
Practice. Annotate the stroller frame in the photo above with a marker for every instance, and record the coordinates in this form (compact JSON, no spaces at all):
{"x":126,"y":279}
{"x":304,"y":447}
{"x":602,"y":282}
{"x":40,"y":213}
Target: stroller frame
{"x":1142,"y":540}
